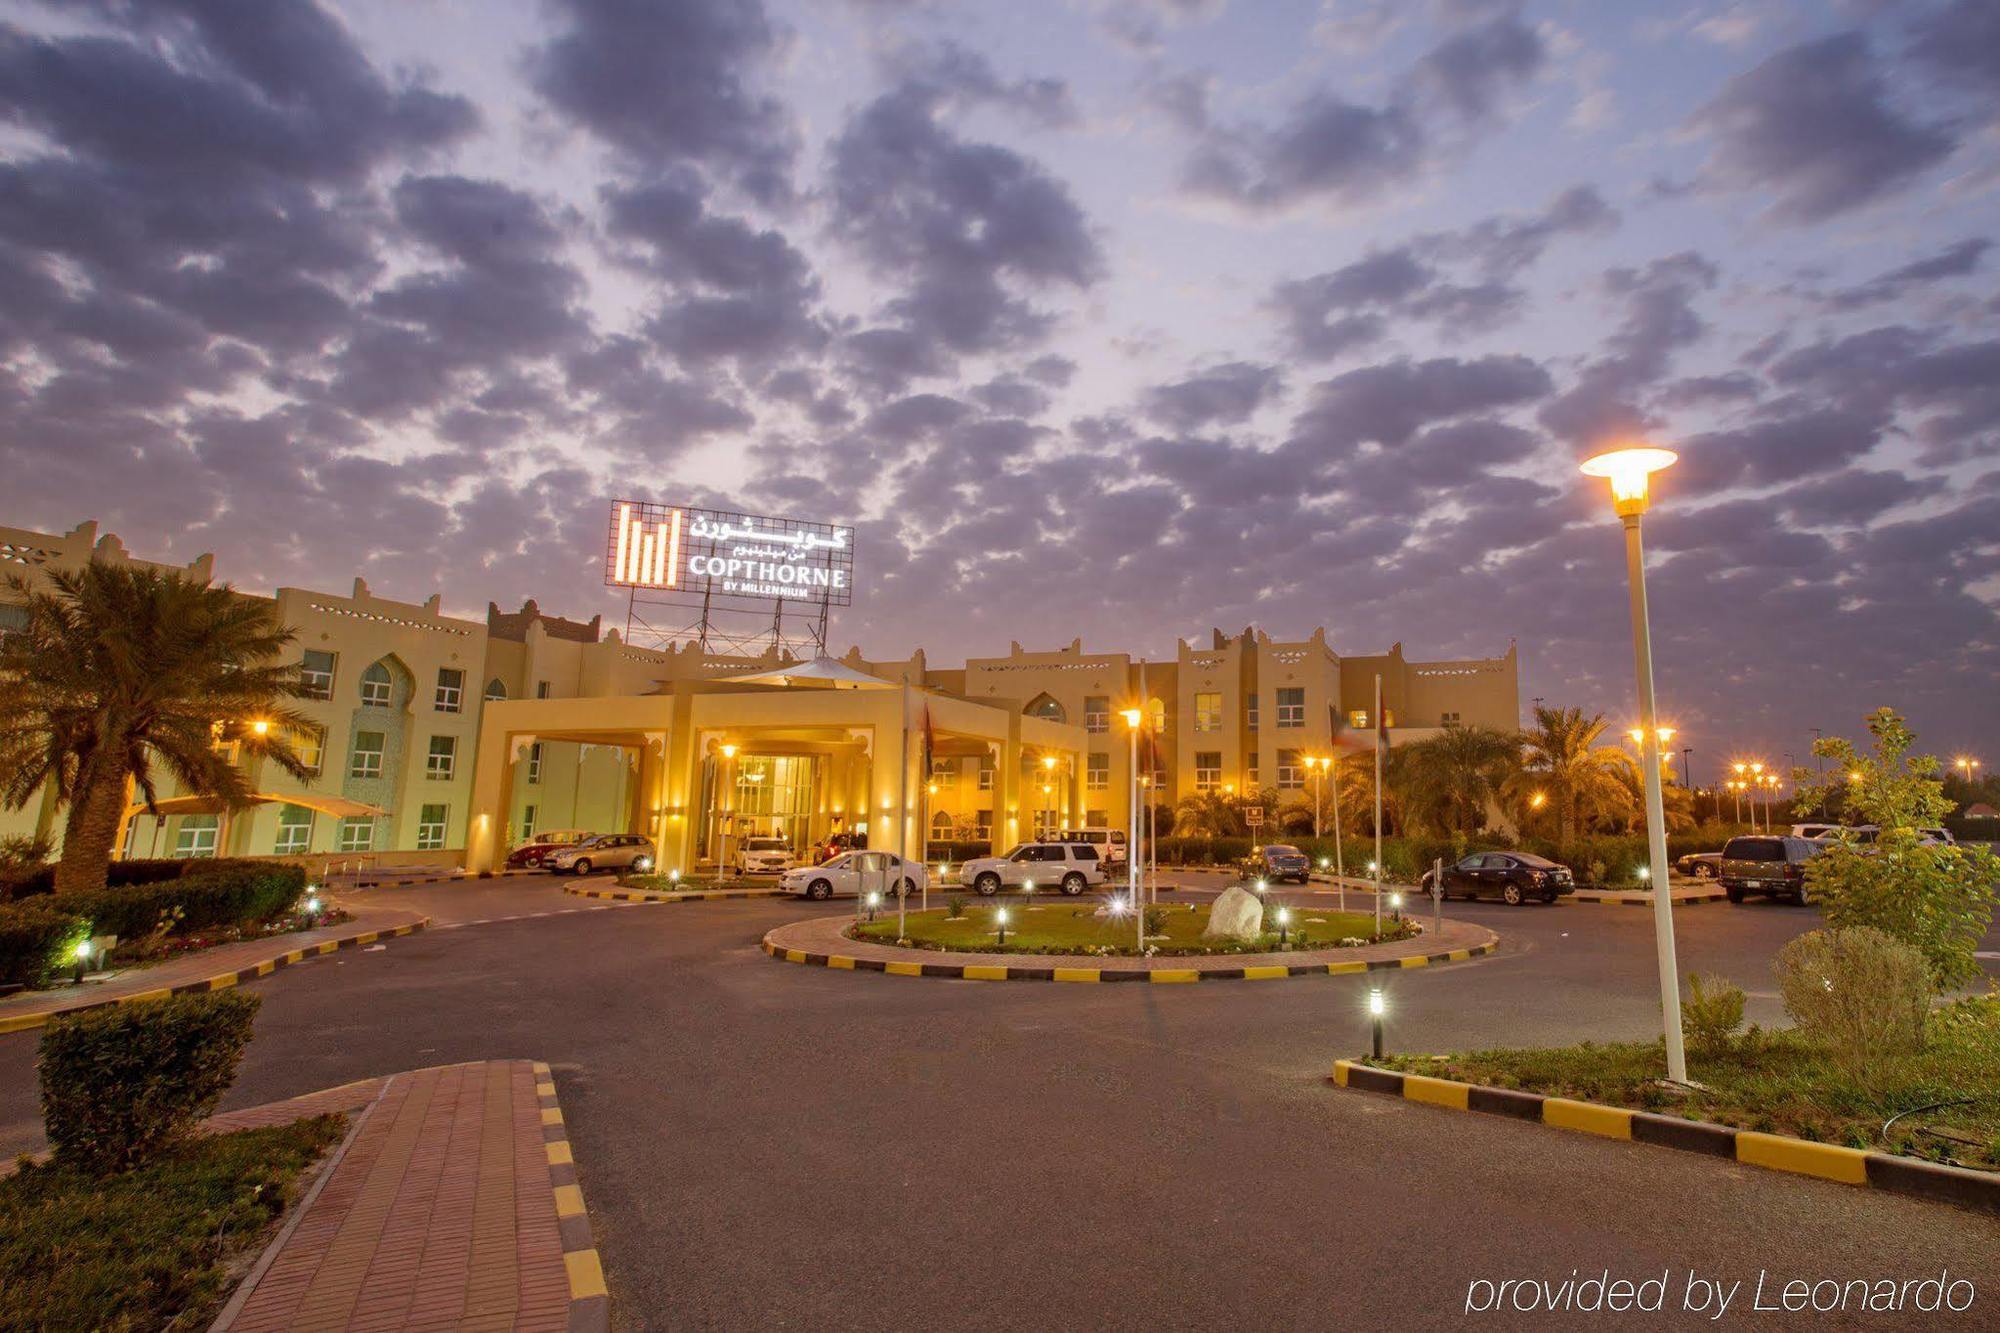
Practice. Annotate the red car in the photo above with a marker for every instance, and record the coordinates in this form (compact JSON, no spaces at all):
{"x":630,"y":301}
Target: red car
{"x":530,"y":854}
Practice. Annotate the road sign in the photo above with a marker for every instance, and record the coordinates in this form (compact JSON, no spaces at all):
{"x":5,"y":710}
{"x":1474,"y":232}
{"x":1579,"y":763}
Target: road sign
{"x":1253,"y":815}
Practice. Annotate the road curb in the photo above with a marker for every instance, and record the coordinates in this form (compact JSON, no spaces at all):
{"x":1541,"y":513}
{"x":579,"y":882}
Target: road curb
{"x":691,"y":896}
{"x":24,"y":1022}
{"x":1064,"y":967}
{"x":589,"y":1301}
{"x":1777,"y":1152}
{"x":1607,"y":900}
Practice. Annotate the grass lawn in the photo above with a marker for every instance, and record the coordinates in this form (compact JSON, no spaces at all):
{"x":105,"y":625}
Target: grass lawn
{"x":156,"y":1247}
{"x":1778,"y":1083}
{"x":1073,"y":927}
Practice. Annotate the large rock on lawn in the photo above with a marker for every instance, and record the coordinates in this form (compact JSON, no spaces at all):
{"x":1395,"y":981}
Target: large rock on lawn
{"x":1237,"y":915}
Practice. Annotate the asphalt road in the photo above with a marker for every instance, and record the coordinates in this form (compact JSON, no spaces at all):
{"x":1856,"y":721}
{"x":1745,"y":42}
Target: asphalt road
{"x":773,"y":1145}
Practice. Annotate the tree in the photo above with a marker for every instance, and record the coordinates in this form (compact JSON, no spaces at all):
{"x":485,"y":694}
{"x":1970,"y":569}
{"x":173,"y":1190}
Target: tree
{"x":1210,"y":814}
{"x":121,"y":668}
{"x":1937,"y":897}
{"x":1446,"y":781}
{"x":1579,"y":780}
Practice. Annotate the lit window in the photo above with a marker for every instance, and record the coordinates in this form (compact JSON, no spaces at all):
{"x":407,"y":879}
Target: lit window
{"x":1388,"y":717}
{"x":1250,"y":712}
{"x":357,"y":834}
{"x":1291,"y":708}
{"x":986,"y":774}
{"x":1251,"y":778}
{"x":1096,"y":818}
{"x":316,"y":675}
{"x":1097,"y":772}
{"x":527,"y":822}
{"x":295,"y":830}
{"x":451,"y":689}
{"x":1208,"y":711}
{"x":1357,"y":717}
{"x":1451,"y":719}
{"x":535,"y":763}
{"x":196,"y":835}
{"x":442,"y":761}
{"x":375,"y":686}
{"x":1291,"y":773}
{"x":430,"y":828}
{"x":366,"y":761}
{"x":983,"y":828}
{"x":1207,"y":770}
{"x":1096,"y":713}
{"x":1046,"y":707}
{"x":309,"y":744}
{"x":1157,"y":713}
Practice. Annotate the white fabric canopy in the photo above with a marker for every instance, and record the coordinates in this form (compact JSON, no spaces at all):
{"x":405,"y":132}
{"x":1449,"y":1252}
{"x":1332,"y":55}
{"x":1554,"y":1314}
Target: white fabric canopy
{"x":823,"y":672}
{"x":337,"y":806}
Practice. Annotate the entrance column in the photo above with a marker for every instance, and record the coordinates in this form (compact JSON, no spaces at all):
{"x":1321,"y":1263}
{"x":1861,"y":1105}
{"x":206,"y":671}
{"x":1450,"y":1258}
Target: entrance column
{"x":492,"y":795}
{"x":1011,"y":823}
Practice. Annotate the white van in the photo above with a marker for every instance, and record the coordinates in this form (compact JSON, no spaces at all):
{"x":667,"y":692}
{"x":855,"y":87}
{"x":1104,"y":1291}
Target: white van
{"x":1110,"y":843}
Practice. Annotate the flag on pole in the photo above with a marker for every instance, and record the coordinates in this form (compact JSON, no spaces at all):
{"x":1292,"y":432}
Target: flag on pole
{"x":930,"y":743}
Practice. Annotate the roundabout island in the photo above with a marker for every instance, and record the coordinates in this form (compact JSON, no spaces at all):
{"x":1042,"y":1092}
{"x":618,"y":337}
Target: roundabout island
{"x":1074,"y":942}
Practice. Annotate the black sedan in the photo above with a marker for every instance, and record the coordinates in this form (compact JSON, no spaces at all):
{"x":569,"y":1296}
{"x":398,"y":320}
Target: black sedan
{"x":1513,"y":877}
{"x":1277,"y":862}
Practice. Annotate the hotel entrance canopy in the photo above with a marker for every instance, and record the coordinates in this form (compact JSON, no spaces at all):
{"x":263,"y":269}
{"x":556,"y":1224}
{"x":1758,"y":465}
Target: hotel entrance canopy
{"x":822,"y":672}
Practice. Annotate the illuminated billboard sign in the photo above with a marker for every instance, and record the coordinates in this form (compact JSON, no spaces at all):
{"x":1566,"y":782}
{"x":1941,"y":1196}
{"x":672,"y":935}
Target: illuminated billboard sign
{"x":706,"y":551}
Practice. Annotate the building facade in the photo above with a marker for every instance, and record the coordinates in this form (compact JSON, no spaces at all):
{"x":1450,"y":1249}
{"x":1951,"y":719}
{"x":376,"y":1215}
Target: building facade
{"x":530,"y":722}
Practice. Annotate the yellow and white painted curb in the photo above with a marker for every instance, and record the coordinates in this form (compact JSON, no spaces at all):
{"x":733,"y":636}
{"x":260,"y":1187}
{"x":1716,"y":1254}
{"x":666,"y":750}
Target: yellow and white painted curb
{"x":589,"y":1301}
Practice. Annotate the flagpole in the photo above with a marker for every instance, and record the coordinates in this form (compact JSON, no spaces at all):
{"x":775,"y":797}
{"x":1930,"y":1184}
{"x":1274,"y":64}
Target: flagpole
{"x":1141,"y":785}
{"x":1380,"y":733}
{"x":903,"y":810}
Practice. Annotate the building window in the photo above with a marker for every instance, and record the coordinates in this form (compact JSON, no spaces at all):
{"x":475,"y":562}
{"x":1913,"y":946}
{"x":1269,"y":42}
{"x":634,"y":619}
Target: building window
{"x":527,"y":822}
{"x":430,"y":828}
{"x":1097,"y":772}
{"x":1291,"y":708}
{"x":295,"y":831}
{"x":316,"y":675}
{"x":442,"y":762}
{"x":541,"y":689}
{"x":1451,"y":719}
{"x":986,"y":774}
{"x":496,"y":690}
{"x":982,"y":828}
{"x":1207,"y":711}
{"x":1357,"y":717}
{"x":309,"y":744}
{"x":534,"y":763}
{"x":196,"y":835}
{"x":1250,"y":712}
{"x":1156,"y":712}
{"x":451,"y":689}
{"x":1096,"y":712}
{"x":1291,"y":773}
{"x":1045,"y":706}
{"x":366,"y":761}
{"x":1251,"y":777}
{"x":357,"y":834}
{"x":1097,"y":819}
{"x":375,"y":686}
{"x":1388,"y":717}
{"x":1207,"y":770}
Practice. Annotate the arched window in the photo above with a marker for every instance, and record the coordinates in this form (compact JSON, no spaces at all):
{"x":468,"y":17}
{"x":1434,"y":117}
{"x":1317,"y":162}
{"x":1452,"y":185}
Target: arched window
{"x":495,"y":690}
{"x":376,"y":687}
{"x":942,"y":825}
{"x":1156,"y":713}
{"x":1045,"y":707}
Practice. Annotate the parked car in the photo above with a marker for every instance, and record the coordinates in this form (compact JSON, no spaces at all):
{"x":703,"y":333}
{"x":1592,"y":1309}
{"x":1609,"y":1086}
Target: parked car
{"x":764,"y":856}
{"x":857,"y":873}
{"x":1770,"y":864}
{"x":1513,"y":877}
{"x":1109,"y":842}
{"x":1069,"y":866}
{"x":1277,"y":861}
{"x":1866,"y":834}
{"x":543,"y":845}
{"x":606,"y":851}
{"x":1700,"y":865}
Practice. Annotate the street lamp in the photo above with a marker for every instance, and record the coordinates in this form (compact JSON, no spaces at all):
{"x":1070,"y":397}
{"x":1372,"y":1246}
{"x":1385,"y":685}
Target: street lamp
{"x":1966,"y":765}
{"x":1133,"y":717}
{"x":1627,"y":470}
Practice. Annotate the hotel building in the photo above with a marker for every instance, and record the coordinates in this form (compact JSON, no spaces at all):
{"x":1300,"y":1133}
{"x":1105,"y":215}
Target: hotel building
{"x":445,"y":740}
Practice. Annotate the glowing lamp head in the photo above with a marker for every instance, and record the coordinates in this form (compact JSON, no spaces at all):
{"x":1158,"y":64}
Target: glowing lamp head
{"x":1260,"y":886}
{"x":1028,"y":885}
{"x":260,"y":728}
{"x":1645,"y":872}
{"x":1396,"y":901}
{"x":1538,"y":800}
{"x":674,"y":876}
{"x":1049,"y":762}
{"x":1376,"y":1007}
{"x":1132,"y":717}
{"x":1325,"y":861}
{"x":874,"y":898}
{"x":312,"y":903}
{"x":1854,"y":776}
{"x":1000,"y":915}
{"x":82,"y":949}
{"x":728,"y":752}
{"x":1627,"y":470}
{"x":1284,"y":916}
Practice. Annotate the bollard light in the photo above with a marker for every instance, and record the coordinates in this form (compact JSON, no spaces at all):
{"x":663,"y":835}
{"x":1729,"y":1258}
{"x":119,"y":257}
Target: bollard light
{"x":1376,"y":1008}
{"x":1325,"y":861}
{"x":82,"y":959}
{"x":1284,"y":926}
{"x":1396,"y":905}
{"x":874,"y":900}
{"x":1371,"y":867}
{"x":1000,"y":919}
{"x":1260,"y":886}
{"x":1645,"y":873}
{"x":312,"y":904}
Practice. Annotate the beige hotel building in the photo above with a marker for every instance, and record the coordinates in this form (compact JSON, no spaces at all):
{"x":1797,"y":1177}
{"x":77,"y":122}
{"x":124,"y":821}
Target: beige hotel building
{"x":444,"y":740}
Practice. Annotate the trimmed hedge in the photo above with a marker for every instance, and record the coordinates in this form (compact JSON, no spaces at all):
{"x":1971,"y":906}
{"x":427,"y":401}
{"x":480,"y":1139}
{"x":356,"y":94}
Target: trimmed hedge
{"x":34,"y":937}
{"x":120,"y":874}
{"x":1406,"y":858}
{"x":120,"y":1084}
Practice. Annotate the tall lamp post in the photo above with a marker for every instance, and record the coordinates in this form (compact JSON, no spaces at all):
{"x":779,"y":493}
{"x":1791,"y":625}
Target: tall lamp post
{"x":1627,"y":471}
{"x":1133,"y":719}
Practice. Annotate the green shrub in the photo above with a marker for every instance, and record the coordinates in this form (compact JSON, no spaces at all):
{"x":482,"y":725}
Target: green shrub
{"x":1938,"y":899}
{"x":1711,"y":1013}
{"x":231,"y":894}
{"x":1156,"y":920}
{"x":36,"y":938}
{"x":1859,"y":992}
{"x":121,"y":1083}
{"x":954,"y":906}
{"x":142,"y":870}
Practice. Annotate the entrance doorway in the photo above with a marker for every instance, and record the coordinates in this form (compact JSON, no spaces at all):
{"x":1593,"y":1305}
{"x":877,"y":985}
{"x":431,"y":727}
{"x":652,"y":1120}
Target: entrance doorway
{"x":772,"y":796}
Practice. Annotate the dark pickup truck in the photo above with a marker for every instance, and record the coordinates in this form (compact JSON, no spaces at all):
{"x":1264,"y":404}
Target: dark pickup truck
{"x":1773,"y":865}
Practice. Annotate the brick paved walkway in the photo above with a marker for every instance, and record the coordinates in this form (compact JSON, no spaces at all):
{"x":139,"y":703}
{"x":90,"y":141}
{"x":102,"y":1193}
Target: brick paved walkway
{"x":441,"y":1211}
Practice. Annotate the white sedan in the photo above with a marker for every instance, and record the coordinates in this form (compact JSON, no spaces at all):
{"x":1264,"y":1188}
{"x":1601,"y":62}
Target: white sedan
{"x":857,"y":873}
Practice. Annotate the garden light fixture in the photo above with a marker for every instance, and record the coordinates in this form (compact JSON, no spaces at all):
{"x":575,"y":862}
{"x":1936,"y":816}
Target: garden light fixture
{"x":1000,"y":920}
{"x":1376,"y":1008}
{"x":1284,"y":926}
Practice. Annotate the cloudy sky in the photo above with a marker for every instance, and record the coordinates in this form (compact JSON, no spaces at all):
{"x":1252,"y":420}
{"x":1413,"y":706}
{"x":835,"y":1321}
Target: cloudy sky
{"x":1099,"y":319}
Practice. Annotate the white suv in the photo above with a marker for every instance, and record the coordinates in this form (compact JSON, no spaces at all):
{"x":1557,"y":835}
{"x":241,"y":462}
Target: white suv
{"x":1109,"y":842}
{"x":1069,"y":866}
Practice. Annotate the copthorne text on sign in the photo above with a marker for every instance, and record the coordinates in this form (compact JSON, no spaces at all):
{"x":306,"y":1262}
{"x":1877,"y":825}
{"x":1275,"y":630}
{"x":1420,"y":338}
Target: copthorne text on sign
{"x":738,"y":555}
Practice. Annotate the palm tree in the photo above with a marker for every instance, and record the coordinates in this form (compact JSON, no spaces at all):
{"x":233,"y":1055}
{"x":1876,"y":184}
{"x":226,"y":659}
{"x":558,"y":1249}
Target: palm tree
{"x":1448,"y":780}
{"x":121,"y":667}
{"x":1210,"y":813}
{"x":1580,"y":781}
